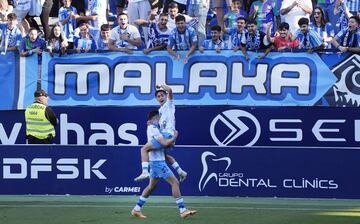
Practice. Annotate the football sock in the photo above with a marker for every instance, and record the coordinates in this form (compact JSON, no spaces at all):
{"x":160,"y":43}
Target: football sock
{"x":145,"y":167}
{"x":177,"y":167}
{"x":141,"y":201}
{"x":180,"y":203}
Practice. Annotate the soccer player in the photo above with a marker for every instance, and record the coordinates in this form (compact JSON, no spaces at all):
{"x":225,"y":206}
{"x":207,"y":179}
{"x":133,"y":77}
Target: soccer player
{"x":159,"y":170}
{"x":164,"y":96}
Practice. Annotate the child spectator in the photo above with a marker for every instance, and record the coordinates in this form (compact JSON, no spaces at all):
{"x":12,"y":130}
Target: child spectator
{"x":101,"y":36}
{"x":85,"y":42}
{"x":57,"y":42}
{"x":32,"y":44}
{"x":10,"y":35}
{"x":67,"y":18}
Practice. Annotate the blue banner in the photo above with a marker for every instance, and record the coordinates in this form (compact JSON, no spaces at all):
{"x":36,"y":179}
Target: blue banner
{"x":18,"y":80}
{"x":218,"y":126}
{"x":214,"y":171}
{"x":112,"y":78}
{"x":207,"y":79}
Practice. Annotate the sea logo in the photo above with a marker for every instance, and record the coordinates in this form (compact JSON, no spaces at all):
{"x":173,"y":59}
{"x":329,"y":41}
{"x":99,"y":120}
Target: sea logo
{"x":207,"y":175}
{"x":237,"y":122}
{"x":347,"y":88}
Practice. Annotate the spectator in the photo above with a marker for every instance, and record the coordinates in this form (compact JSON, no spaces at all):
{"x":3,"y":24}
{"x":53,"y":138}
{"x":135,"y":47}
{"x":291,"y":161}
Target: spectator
{"x":237,"y":35}
{"x":10,"y":35}
{"x":21,"y":10}
{"x":199,"y":9}
{"x":158,"y":33}
{"x":101,"y":36}
{"x":341,"y":9}
{"x":219,"y":6}
{"x":5,"y":9}
{"x":124,"y":37}
{"x":323,"y":28}
{"x":292,"y":10}
{"x":215,"y":43}
{"x":67,"y":18}
{"x":309,"y":39}
{"x":183,"y":38}
{"x":84,"y":43}
{"x":236,"y":12}
{"x":44,"y":13}
{"x":57,"y":42}
{"x":40,"y":120}
{"x":353,"y":6}
{"x":349,"y":40}
{"x":173,"y":12}
{"x":284,"y":38}
{"x":328,"y":9}
{"x":139,"y":9}
{"x":96,"y":13}
{"x":181,"y":4}
{"x":32,"y":44}
{"x":263,"y":11}
{"x":254,"y":39}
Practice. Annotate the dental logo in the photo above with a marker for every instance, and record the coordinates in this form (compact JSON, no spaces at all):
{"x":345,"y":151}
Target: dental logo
{"x":206,"y":175}
{"x":234,"y":121}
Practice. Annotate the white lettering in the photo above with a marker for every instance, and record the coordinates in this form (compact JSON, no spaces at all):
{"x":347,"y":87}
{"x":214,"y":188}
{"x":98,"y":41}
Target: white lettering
{"x":317,"y":131}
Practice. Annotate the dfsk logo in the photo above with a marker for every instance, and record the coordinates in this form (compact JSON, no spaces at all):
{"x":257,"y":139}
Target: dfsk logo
{"x":235,"y":120}
{"x":207,"y":175}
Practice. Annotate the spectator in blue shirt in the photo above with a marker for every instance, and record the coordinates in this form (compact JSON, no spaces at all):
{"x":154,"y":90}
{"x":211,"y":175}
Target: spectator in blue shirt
{"x":349,"y":39}
{"x":67,"y":15}
{"x":321,"y":26}
{"x":237,"y":35}
{"x":215,"y":43}
{"x":182,"y":38}
{"x":309,"y":39}
{"x":158,"y":33}
{"x":101,"y":36}
{"x":85,"y":42}
{"x":10,"y":35}
{"x":32,"y":44}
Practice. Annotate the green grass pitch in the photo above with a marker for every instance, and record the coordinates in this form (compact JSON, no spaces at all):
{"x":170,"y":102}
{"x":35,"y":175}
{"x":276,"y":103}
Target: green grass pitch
{"x":163,"y":210}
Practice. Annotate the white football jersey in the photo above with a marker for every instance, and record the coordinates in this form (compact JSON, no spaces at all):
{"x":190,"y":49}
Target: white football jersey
{"x":167,"y":117}
{"x":158,"y":154}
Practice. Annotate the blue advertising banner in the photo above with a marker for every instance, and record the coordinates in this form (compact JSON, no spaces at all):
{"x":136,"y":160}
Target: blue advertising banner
{"x":204,"y":125}
{"x":213,"y":171}
{"x":281,"y":79}
{"x":18,"y":77}
{"x":111,"y":78}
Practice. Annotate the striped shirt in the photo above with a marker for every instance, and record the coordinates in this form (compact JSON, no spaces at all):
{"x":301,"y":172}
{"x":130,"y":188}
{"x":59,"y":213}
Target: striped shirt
{"x":70,"y":26}
{"x":156,"y":37}
{"x":324,"y":32}
{"x":210,"y":45}
{"x":236,"y":38}
{"x":182,"y":41}
{"x":348,"y":39}
{"x":353,"y":5}
{"x":309,"y":40}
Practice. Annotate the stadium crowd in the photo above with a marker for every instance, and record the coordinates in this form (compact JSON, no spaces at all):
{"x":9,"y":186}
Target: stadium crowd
{"x":187,"y":25}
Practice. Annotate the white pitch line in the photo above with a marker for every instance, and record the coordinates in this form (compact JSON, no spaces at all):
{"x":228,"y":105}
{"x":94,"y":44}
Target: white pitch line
{"x":172,"y":207}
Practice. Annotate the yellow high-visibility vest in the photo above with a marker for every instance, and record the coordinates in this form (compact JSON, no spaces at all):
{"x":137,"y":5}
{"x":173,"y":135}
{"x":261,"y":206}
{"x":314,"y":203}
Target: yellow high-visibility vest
{"x":36,"y":123}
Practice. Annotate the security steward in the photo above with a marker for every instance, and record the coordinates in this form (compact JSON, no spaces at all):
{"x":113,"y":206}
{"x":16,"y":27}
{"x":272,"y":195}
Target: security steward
{"x":40,"y":120}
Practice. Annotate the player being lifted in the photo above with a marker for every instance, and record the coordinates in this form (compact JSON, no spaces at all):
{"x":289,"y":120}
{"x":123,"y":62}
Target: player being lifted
{"x":159,"y":169}
{"x":164,"y":96}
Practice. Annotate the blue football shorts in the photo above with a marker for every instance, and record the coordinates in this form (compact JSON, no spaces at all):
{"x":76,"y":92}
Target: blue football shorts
{"x":159,"y":169}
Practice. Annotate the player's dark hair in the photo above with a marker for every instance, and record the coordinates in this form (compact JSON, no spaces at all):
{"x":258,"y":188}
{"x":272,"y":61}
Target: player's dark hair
{"x":152,"y":114}
{"x":11,"y":16}
{"x":284,"y":25}
{"x":356,"y":18}
{"x":252,"y":21}
{"x":241,"y":18}
{"x":105,"y":27}
{"x":173,"y":5}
